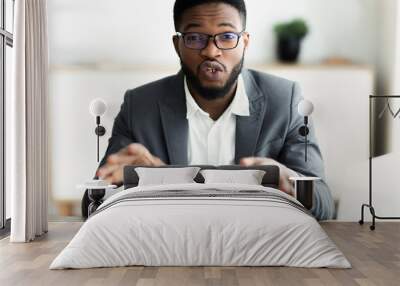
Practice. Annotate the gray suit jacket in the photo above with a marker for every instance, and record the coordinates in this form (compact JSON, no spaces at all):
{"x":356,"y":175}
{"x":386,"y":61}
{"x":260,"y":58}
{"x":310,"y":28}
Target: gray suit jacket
{"x":155,"y":116}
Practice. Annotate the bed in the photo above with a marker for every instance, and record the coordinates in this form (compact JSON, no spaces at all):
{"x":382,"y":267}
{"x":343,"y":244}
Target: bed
{"x":201,"y":224}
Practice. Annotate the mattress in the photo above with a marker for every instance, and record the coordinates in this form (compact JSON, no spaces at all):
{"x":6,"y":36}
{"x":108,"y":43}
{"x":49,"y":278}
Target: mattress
{"x":201,"y":225}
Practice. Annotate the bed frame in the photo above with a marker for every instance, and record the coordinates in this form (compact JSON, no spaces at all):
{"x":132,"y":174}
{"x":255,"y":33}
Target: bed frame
{"x":131,"y":179}
{"x":270,"y":179}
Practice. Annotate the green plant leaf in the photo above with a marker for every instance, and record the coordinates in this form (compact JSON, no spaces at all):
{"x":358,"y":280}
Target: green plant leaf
{"x":296,"y":28}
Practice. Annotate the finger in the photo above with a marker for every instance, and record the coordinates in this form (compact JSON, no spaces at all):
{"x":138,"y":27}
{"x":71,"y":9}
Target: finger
{"x":149,"y":158}
{"x":131,"y":149}
{"x":137,"y":149}
{"x":246,"y":161}
{"x":118,"y":157}
{"x":115,"y":178}
{"x":107,"y":169}
{"x":155,"y":161}
{"x":116,"y":161}
{"x":124,"y":150}
{"x":133,"y":160}
{"x":124,"y":159}
{"x":114,"y":173}
{"x":158,"y":162}
{"x":142,"y":160}
{"x":129,"y":154}
{"x":254,"y":161}
{"x":140,"y":150}
{"x":110,"y":169}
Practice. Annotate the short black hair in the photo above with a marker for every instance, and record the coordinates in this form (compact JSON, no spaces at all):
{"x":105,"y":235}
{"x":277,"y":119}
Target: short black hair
{"x":182,"y":5}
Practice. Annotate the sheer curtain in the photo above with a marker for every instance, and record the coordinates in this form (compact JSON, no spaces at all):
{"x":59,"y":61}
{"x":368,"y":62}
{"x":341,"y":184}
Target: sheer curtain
{"x":27,"y":122}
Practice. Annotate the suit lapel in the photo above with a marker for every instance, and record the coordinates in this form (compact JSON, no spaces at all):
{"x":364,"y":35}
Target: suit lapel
{"x":174,"y":123}
{"x":248,"y":127}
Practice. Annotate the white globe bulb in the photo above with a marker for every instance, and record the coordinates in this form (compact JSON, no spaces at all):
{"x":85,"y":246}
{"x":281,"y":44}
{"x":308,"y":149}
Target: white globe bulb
{"x":305,"y":107}
{"x":97,"y":107}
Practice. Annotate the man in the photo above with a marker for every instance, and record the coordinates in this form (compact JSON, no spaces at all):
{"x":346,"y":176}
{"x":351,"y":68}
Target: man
{"x":214,"y":111}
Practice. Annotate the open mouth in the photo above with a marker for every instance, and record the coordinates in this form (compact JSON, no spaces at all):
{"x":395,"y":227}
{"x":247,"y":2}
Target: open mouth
{"x":212,"y":66}
{"x":211,"y":70}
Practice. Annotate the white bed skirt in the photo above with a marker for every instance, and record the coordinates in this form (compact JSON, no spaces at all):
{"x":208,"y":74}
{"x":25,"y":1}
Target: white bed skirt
{"x":200,"y":232}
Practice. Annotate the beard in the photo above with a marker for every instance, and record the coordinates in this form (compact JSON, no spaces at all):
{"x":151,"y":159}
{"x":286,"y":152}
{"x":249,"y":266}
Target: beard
{"x":212,"y":93}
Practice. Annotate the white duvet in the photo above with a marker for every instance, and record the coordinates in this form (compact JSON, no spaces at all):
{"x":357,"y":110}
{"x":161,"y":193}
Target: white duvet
{"x":200,"y":231}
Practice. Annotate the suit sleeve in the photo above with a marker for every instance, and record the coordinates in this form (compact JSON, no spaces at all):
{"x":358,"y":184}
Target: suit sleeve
{"x":292,"y":156}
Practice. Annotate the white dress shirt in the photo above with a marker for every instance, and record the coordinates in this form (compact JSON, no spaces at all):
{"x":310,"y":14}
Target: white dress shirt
{"x":213,"y":142}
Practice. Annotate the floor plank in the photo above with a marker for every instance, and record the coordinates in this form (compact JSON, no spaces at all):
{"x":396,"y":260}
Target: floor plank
{"x":375,"y":257}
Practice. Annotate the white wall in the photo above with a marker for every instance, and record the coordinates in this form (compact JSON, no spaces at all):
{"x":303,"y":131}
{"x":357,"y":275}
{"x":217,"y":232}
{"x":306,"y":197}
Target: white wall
{"x":118,"y":31}
{"x":72,"y":138}
{"x":102,"y":48}
{"x":336,"y":117}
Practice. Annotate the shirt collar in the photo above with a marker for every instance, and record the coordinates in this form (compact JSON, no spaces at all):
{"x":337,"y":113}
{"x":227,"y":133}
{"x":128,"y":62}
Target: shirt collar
{"x":191,"y":105}
{"x":239,"y":105}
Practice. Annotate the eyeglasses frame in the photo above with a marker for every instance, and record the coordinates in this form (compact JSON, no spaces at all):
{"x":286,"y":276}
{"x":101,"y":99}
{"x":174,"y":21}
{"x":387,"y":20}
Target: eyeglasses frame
{"x":182,"y":35}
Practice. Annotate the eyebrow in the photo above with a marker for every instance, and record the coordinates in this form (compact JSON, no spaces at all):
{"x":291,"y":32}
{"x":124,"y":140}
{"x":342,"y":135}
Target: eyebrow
{"x":196,"y":25}
{"x":191,"y":25}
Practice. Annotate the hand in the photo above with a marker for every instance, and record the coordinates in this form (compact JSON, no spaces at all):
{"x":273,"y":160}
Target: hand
{"x":285,"y":185}
{"x":133,"y":154}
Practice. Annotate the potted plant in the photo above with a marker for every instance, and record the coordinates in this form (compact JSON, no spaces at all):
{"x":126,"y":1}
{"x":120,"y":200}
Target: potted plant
{"x":289,"y":36}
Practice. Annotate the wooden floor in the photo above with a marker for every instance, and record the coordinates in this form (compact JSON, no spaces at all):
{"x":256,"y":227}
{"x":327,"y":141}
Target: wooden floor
{"x":375,"y":257}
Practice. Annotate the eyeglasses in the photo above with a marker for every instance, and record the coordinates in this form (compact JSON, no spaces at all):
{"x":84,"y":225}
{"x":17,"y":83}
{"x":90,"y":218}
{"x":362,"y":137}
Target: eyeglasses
{"x":199,"y":41}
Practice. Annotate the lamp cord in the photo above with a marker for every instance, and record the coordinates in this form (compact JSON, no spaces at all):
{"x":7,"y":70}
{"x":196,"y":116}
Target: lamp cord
{"x":306,"y":133}
{"x":305,"y":155}
{"x":98,"y":136}
{"x":98,"y":139}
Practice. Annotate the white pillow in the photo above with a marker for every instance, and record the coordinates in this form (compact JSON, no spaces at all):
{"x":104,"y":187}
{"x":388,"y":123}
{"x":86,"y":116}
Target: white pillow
{"x":163,"y":176}
{"x":248,"y":177}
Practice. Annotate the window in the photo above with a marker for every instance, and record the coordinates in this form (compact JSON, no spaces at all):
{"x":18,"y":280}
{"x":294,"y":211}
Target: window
{"x":6,"y":44}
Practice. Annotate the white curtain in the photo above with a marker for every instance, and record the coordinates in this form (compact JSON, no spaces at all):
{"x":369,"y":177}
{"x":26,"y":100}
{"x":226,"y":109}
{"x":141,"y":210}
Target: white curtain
{"x":27,"y":122}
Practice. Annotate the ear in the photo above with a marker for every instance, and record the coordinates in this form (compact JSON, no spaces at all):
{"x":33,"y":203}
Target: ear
{"x":246,"y":40}
{"x":175,"y":40}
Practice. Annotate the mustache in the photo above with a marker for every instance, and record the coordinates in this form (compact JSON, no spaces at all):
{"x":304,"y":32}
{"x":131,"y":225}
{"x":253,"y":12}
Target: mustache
{"x":211,"y":93}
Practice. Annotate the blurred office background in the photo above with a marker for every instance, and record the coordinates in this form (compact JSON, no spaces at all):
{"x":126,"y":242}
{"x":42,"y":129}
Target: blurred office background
{"x":101,"y":48}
